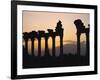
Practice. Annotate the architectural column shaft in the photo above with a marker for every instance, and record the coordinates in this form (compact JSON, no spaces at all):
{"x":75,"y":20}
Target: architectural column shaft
{"x":32,"y":47}
{"x":26,"y":45}
{"x":53,"y":46}
{"x":61,"y":45}
{"x":39,"y":46}
{"x":78,"y":44}
{"x":46,"y":46}
{"x":87,"y":44}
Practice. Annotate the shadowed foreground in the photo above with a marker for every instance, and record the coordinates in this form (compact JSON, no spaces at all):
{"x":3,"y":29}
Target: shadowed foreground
{"x":30,"y":61}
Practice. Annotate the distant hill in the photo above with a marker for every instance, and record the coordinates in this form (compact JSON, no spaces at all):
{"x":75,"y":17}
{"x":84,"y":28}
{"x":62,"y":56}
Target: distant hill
{"x":72,"y":48}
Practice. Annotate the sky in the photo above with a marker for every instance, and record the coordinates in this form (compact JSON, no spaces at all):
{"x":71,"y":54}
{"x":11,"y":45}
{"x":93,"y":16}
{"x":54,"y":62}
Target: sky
{"x":37,"y":20}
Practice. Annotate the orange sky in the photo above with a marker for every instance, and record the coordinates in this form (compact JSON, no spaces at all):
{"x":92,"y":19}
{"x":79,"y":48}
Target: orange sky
{"x":33,"y":20}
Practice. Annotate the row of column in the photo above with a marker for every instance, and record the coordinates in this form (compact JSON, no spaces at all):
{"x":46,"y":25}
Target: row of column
{"x":87,"y":42}
{"x":46,"y":46}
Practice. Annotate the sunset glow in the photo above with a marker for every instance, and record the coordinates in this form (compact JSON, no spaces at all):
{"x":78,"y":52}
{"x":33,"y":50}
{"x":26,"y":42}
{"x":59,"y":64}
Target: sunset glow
{"x":34,"y":21}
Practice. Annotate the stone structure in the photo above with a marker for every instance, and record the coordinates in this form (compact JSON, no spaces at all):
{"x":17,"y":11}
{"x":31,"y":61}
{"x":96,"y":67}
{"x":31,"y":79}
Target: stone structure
{"x":42,"y":34}
{"x":81,"y":29}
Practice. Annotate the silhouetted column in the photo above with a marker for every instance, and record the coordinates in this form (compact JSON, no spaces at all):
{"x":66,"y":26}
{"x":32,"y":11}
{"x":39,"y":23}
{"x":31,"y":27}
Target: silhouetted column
{"x":53,"y":46}
{"x":46,"y":46}
{"x":61,"y":45}
{"x":78,"y":43}
{"x":39,"y":46}
{"x":26,"y":45}
{"x":32,"y":46}
{"x":87,"y":42}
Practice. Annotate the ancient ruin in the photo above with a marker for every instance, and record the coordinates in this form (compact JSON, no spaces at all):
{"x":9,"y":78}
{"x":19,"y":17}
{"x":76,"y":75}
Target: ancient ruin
{"x":42,"y":34}
{"x":81,"y":29}
{"x":58,"y":32}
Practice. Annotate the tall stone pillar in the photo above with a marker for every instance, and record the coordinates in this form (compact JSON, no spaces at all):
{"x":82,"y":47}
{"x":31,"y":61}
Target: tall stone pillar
{"x":46,"y":46}
{"x":26,"y":45}
{"x":32,"y":46}
{"x":61,"y":45}
{"x":87,"y":42}
{"x":53,"y":46}
{"x":78,"y":43}
{"x":39,"y":46}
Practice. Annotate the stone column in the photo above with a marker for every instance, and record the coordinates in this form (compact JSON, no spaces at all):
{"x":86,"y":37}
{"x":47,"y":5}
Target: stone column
{"x":87,"y":42}
{"x":26,"y":45}
{"x":32,"y":46}
{"x":61,"y":45}
{"x":53,"y":46}
{"x":39,"y":46}
{"x":46,"y":46}
{"x":78,"y":43}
